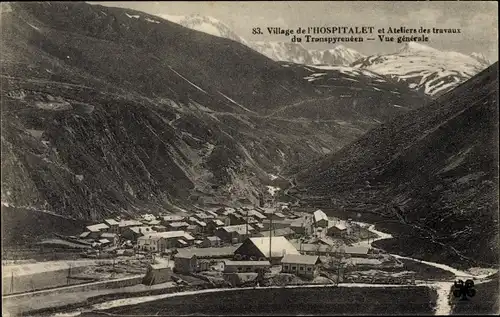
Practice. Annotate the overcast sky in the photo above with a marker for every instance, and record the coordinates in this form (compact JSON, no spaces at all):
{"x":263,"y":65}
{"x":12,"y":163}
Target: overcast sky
{"x":478,"y":20}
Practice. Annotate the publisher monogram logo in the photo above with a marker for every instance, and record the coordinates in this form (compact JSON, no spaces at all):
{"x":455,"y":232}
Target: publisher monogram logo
{"x":464,"y":290}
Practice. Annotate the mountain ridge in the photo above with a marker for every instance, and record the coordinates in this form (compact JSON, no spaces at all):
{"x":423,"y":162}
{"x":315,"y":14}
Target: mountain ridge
{"x":428,"y":176}
{"x":424,"y":68}
{"x":132,"y":112}
{"x":277,"y":50}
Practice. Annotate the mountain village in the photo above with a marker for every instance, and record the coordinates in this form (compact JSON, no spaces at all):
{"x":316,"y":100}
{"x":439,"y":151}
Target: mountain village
{"x":140,"y":146}
{"x":231,"y":246}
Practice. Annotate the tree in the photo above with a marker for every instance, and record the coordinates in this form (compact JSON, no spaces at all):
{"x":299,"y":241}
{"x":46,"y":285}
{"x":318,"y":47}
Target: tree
{"x":336,"y":260}
{"x":260,"y":276}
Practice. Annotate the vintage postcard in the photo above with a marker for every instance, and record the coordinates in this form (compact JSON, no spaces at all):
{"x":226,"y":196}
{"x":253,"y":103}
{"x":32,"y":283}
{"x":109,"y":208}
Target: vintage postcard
{"x":249,"y":158}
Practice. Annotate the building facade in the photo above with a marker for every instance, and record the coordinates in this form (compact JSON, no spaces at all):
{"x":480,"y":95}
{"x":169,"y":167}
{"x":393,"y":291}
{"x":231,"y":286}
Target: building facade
{"x":185,"y":263}
{"x":212,"y":242}
{"x":245,"y":266}
{"x":320,"y":219}
{"x":300,"y":265}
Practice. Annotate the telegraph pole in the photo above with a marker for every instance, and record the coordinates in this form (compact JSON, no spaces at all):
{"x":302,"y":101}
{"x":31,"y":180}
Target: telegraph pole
{"x":271,"y":226}
{"x":69,"y":275}
{"x":270,"y":234}
{"x":247,"y":224}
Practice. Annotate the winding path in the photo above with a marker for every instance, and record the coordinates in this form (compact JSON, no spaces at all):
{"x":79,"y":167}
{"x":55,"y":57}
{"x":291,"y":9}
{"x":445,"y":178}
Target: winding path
{"x":443,"y":306}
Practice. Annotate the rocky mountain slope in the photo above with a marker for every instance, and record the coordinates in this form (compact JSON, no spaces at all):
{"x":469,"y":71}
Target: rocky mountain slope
{"x":430,"y":176}
{"x":108,"y":110}
{"x":425,"y":68}
{"x":278,"y":51}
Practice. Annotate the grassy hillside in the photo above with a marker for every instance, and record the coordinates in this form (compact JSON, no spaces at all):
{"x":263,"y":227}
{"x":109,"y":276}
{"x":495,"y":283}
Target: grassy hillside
{"x":430,"y":176}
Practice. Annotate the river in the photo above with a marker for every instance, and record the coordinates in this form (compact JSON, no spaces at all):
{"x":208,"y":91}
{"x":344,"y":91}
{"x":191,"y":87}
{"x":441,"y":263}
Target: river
{"x":443,"y":306}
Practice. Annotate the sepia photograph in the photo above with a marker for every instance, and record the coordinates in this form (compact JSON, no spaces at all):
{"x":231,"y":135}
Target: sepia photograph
{"x":248,"y":158}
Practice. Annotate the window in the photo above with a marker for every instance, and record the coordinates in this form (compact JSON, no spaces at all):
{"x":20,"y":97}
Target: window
{"x":240,"y":269}
{"x":309,"y":269}
{"x":302,"y":268}
{"x":249,"y":269}
{"x":294,"y":268}
{"x":285,"y":267}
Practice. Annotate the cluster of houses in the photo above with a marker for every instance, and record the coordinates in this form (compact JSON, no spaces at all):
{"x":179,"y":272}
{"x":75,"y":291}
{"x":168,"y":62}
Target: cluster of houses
{"x":253,"y":255}
{"x":211,"y":228}
{"x":229,"y":239}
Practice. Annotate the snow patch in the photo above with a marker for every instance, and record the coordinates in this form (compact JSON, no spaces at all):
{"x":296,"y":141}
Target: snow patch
{"x":132,"y":16}
{"x":187,"y":80}
{"x":420,"y":65}
{"x":244,"y":108}
{"x":152,"y":21}
{"x":36,"y":28}
{"x":172,"y":18}
{"x":272,"y":190}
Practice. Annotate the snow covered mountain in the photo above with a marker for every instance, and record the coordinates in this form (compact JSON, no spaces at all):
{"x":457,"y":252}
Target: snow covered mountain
{"x":339,"y":55}
{"x":283,"y":51}
{"x":424,"y":68}
{"x":206,"y":24}
{"x":480,"y":57}
{"x":296,"y":53}
{"x":278,"y":51}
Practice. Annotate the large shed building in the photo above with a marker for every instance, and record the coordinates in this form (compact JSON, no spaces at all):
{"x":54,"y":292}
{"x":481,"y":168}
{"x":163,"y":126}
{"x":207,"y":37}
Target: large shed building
{"x":265,"y":248}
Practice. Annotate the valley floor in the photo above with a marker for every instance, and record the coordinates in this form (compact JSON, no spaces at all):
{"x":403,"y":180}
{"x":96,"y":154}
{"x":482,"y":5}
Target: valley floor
{"x":130,"y":299}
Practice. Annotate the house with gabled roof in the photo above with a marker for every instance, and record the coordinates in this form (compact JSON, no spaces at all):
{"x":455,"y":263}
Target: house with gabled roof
{"x":320,"y":219}
{"x":265,"y":248}
{"x":161,"y":241}
{"x":337,"y":228}
{"x":257,"y":215}
{"x":96,"y":230}
{"x":235,"y":233}
{"x":134,"y":233}
{"x":212,"y":242}
{"x":124,"y":224}
{"x":300,"y":265}
{"x":212,"y":214}
{"x":111,"y":236}
{"x":284,"y":232}
{"x":171,"y":218}
{"x":175,"y":226}
{"x":236,"y":218}
{"x":112,"y":224}
{"x":213,"y":224}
